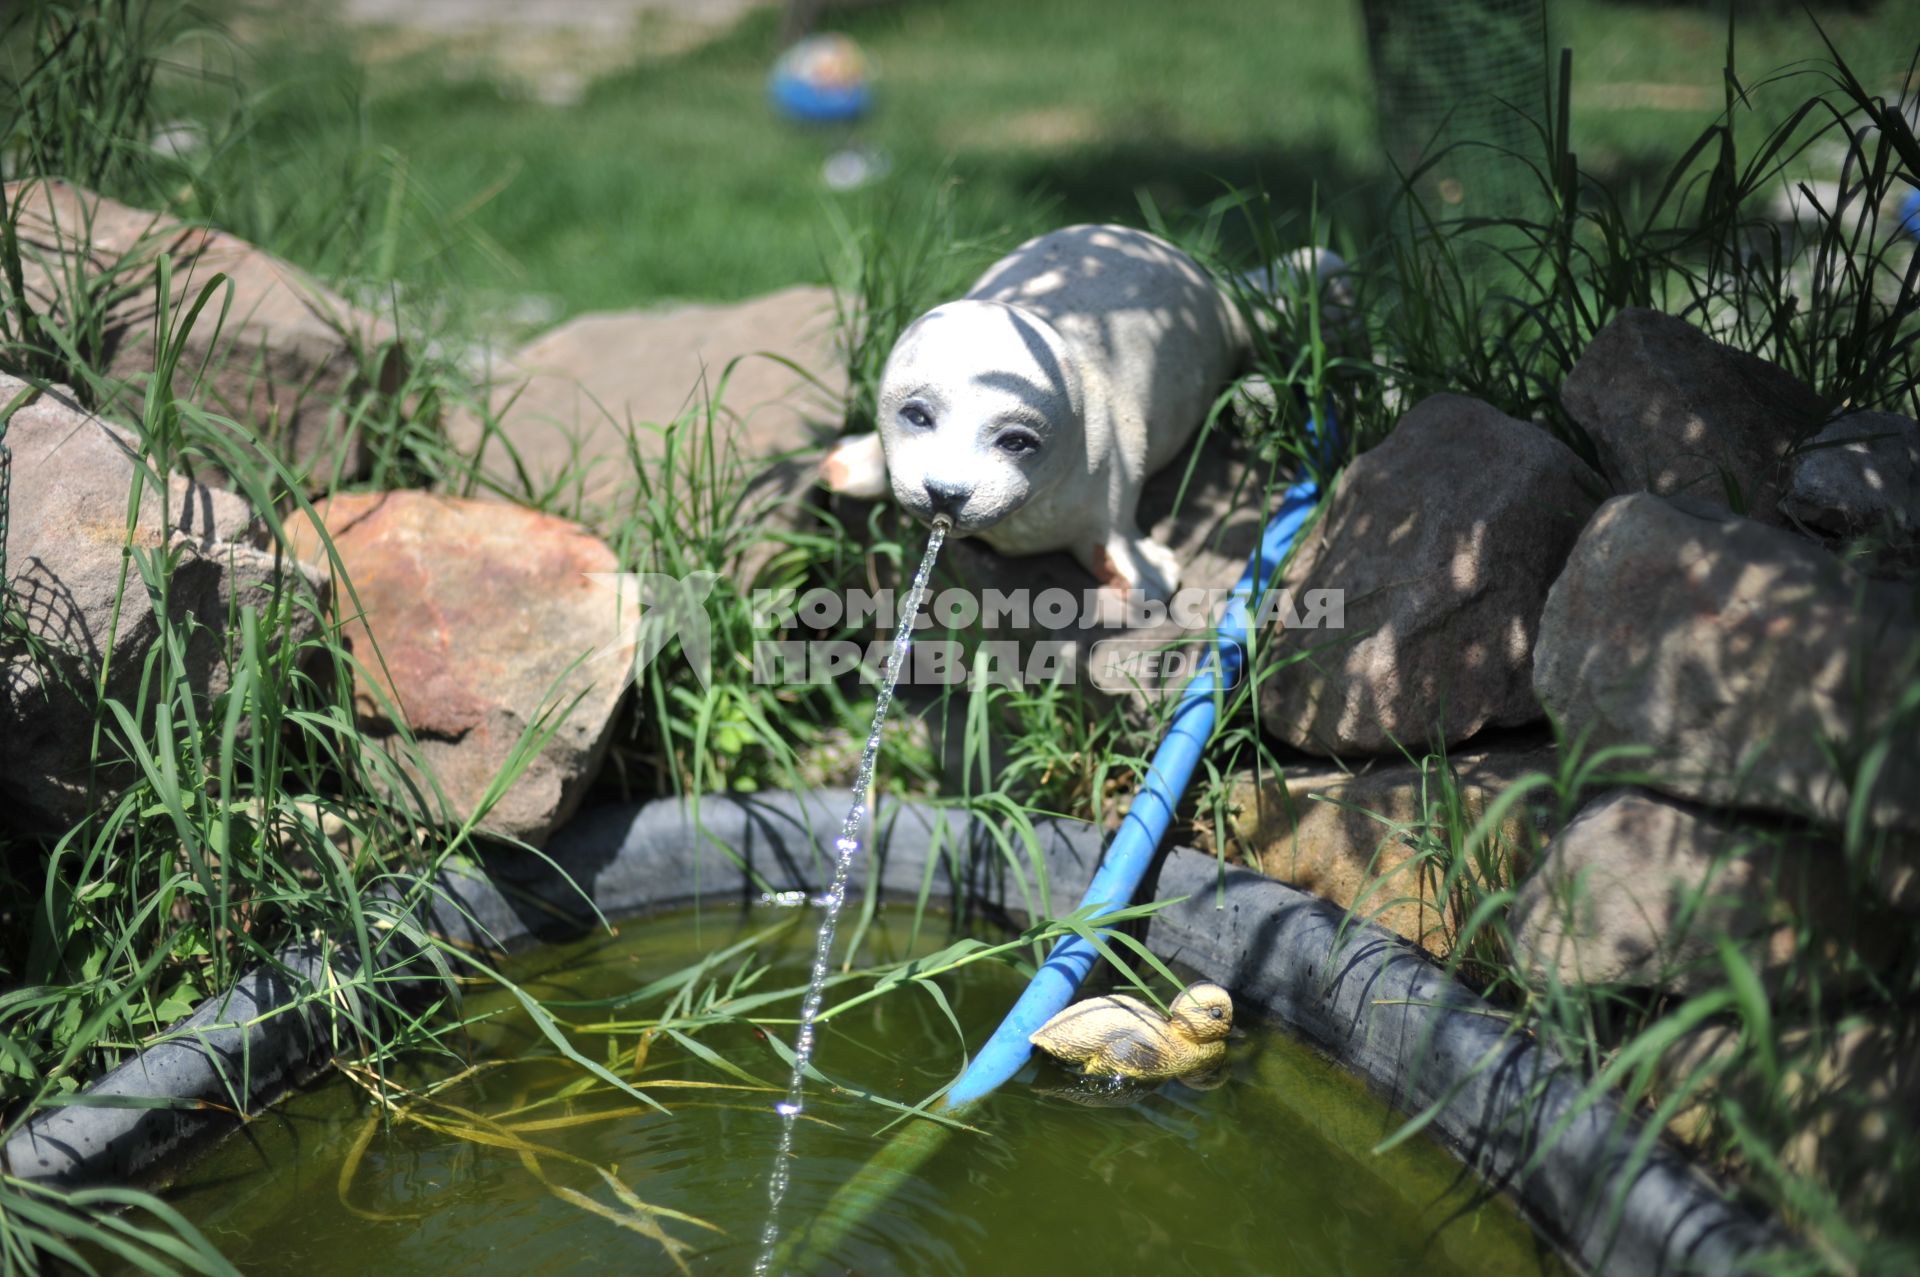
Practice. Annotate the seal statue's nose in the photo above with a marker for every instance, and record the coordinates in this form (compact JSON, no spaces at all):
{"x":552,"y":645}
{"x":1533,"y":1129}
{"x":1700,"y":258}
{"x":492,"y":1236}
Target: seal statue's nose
{"x":947,"y":497}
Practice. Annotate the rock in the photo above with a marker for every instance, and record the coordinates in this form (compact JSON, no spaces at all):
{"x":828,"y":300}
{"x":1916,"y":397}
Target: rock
{"x":287,"y":356}
{"x":475,"y":621}
{"x":1444,"y":539}
{"x":1743,"y":659}
{"x":1859,"y":475}
{"x":1843,"y":1110}
{"x":583,"y":401}
{"x":1670,"y":411}
{"x":72,"y":476}
{"x":1639,"y":890}
{"x":1350,"y":837}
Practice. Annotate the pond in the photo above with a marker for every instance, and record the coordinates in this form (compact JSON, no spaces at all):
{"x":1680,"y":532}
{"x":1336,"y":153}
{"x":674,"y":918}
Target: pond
{"x":527,"y":1164}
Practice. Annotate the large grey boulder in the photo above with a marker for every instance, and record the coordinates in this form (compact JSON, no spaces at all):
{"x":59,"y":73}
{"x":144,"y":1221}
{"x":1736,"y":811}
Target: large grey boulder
{"x":1640,"y":890}
{"x":283,"y":355}
{"x":1860,"y":475}
{"x":1671,"y":411}
{"x":85,"y":601}
{"x":478,"y":627}
{"x":1443,"y":539}
{"x":1846,"y":1112}
{"x":578,"y":406}
{"x":1744,"y":659}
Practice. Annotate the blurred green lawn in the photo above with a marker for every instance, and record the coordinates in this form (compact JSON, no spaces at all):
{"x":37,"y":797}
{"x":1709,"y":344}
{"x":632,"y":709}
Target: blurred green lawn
{"x":672,"y":178}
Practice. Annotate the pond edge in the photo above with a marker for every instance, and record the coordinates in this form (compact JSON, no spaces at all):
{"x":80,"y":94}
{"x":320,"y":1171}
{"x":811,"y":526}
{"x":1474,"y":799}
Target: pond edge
{"x":1373,"y":1003}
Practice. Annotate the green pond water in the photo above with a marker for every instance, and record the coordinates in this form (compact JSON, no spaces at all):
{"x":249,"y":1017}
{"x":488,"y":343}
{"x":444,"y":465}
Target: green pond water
{"x":528,"y":1166}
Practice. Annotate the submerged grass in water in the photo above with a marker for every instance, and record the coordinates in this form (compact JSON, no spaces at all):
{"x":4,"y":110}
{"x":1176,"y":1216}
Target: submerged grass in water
{"x":1269,"y":1172}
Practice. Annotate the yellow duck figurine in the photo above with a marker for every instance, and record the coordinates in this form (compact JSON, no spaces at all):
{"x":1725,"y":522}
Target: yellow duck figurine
{"x":1125,"y":1037}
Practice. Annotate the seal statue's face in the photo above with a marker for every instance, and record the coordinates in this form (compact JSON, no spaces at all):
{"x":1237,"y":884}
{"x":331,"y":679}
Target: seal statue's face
{"x":978,"y":412}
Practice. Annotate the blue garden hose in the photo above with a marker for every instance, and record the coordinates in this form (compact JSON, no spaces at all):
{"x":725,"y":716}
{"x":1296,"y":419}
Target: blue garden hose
{"x":1139,"y":836}
{"x":1113,"y":885}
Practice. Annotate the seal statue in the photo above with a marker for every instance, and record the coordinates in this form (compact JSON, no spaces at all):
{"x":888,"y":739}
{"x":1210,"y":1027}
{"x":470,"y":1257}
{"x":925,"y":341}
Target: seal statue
{"x":1031,"y":411}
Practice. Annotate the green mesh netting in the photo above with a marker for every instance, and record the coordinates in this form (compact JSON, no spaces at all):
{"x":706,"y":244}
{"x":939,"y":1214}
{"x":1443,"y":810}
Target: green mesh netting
{"x":1462,"y":71}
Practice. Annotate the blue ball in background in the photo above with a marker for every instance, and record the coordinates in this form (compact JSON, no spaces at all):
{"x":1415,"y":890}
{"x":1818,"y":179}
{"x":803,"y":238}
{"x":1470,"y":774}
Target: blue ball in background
{"x":823,"y":79}
{"x":1910,"y":214}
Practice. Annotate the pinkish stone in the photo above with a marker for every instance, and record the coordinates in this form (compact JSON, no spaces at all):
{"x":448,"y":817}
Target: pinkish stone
{"x":475,"y":622}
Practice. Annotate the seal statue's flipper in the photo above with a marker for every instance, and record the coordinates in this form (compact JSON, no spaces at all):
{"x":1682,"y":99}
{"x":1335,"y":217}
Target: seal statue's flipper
{"x":856,"y":466}
{"x":1127,"y":560}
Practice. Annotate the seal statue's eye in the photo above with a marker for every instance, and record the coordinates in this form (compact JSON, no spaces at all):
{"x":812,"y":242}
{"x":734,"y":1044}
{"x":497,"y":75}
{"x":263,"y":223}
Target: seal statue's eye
{"x":1215,"y":1012}
{"x":1017,"y":442}
{"x":917,"y":417}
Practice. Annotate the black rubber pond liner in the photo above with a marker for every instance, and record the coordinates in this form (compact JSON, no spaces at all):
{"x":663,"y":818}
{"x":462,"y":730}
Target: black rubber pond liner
{"x":1369,"y":1000}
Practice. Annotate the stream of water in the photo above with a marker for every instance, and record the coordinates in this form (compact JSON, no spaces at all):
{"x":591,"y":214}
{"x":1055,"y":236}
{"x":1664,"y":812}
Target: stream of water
{"x":844,"y":848}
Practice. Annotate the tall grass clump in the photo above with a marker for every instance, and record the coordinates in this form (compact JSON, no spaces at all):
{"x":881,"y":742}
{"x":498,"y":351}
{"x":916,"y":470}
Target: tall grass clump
{"x":80,"y":101}
{"x":148,"y":102}
{"x":82,"y":93}
{"x":1503,"y":307}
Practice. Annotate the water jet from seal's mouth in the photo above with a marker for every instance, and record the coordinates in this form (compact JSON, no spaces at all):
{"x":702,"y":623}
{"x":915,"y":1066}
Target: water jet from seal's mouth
{"x":844,"y":847}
